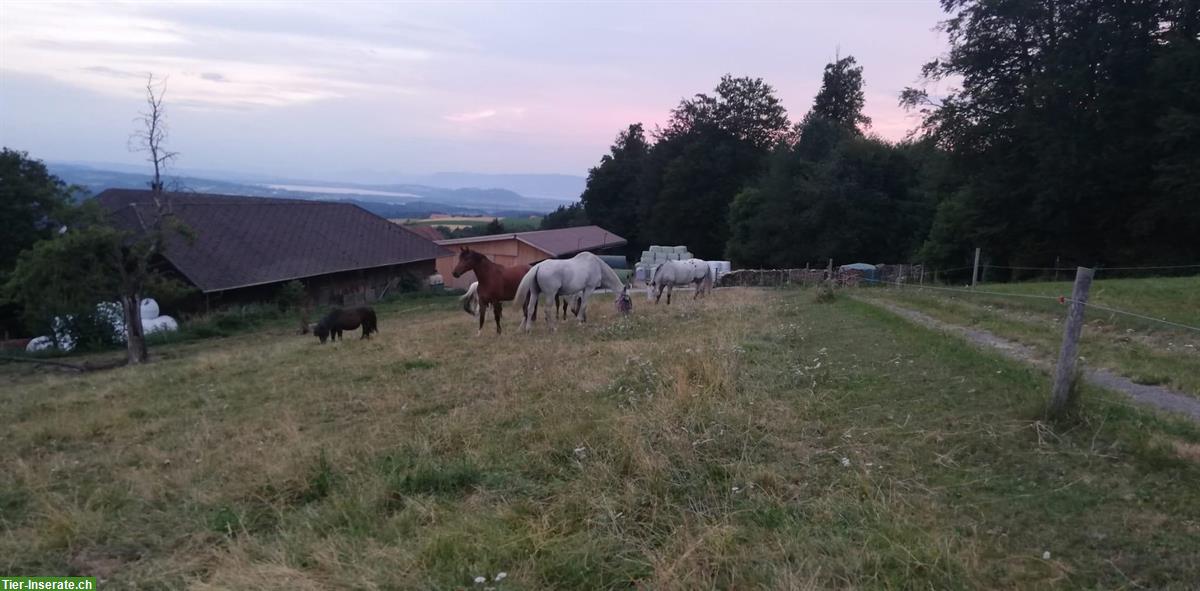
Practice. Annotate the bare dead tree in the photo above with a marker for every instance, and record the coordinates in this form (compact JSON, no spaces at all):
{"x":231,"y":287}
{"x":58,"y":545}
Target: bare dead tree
{"x":151,"y":135}
{"x":133,"y":257}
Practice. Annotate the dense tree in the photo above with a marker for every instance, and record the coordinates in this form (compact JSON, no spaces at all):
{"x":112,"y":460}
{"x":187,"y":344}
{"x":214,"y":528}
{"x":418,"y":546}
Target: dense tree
{"x":1070,"y":130}
{"x":841,"y":98}
{"x":745,"y":108}
{"x":834,"y":193}
{"x":614,"y":187}
{"x":711,"y":148}
{"x":30,"y":198}
{"x":494,"y":227}
{"x":861,"y":203}
{"x":697,"y":178}
{"x":565,"y":216}
{"x":31,"y":203}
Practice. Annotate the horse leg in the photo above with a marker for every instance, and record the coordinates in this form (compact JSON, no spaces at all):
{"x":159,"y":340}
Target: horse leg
{"x":531,"y":317}
{"x":587,"y":294}
{"x":696,"y":294}
{"x":496,"y":309}
{"x":482,"y":316}
{"x":670,"y":290}
{"x":658,"y":294}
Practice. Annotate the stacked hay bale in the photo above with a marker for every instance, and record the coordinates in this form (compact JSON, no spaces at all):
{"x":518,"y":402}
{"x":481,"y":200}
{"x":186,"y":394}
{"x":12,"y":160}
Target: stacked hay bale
{"x":658,"y":255}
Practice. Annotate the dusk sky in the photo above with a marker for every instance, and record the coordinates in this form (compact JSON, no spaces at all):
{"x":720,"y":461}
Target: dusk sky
{"x":312,"y":90}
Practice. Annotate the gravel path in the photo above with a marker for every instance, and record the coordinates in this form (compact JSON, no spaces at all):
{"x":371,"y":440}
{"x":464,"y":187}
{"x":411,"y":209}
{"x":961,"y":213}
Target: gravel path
{"x":1156,"y":396}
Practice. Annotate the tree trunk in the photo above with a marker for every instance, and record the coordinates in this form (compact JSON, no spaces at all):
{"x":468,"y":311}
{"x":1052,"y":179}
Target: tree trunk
{"x":135,"y":338}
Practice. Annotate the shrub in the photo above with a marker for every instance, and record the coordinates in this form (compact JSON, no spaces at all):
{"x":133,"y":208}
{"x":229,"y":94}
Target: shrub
{"x":290,"y":295}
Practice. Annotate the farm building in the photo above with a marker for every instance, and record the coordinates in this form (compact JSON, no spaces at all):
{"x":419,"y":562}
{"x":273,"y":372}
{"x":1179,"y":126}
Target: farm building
{"x":429,"y":232}
{"x":239,"y":249}
{"x":525,"y":248}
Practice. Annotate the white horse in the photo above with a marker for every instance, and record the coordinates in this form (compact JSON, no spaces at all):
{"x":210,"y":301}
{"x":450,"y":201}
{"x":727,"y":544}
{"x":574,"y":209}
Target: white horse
{"x":673,"y":273}
{"x":582,"y":275}
{"x":470,"y":302}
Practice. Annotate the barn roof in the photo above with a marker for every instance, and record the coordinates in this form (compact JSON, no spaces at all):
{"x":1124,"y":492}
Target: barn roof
{"x":428,"y":232}
{"x":234,"y":241}
{"x":556,"y":243}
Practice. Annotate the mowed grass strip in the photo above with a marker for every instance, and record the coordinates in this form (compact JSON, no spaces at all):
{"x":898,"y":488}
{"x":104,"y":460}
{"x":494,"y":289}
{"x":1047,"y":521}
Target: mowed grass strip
{"x":754,"y":439}
{"x":1145,"y":352}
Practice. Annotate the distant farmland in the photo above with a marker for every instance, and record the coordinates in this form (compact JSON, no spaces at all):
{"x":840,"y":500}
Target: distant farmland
{"x":455,"y":222}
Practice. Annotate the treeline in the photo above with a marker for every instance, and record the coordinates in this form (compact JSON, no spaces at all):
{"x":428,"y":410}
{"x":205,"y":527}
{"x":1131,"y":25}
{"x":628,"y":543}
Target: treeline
{"x":1074,"y":136}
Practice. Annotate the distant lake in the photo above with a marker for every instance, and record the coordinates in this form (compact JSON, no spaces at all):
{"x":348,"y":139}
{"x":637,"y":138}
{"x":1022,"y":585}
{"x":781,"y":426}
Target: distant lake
{"x":340,"y":191}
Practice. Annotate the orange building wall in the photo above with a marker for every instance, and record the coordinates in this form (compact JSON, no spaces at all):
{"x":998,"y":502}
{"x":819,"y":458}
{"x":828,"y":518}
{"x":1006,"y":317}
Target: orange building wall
{"x":504,"y":251}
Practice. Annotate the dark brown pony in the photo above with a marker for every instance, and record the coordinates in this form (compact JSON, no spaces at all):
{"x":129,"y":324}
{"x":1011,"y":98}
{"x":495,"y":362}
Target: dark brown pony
{"x":337,"y":320}
{"x":497,"y":283}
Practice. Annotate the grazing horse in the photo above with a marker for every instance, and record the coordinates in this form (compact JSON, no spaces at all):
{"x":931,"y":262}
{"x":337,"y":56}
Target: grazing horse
{"x":337,"y":320}
{"x":497,"y":283}
{"x":581,"y":274}
{"x":673,"y":273}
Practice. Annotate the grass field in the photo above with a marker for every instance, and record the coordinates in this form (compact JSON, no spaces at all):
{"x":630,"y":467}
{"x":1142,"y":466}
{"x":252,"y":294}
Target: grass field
{"x":752,"y":440}
{"x":1145,"y":351}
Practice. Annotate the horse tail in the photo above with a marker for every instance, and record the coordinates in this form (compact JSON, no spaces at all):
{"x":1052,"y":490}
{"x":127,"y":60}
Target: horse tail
{"x":528,"y":283}
{"x":468,"y":299}
{"x":707,"y":282}
{"x":371,"y":321}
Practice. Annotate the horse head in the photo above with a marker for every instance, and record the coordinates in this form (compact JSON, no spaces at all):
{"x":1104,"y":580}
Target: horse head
{"x":467,"y":259}
{"x":321,"y":331}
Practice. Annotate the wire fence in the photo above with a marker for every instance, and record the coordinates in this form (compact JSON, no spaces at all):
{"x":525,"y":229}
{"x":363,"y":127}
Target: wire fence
{"x":990,"y":273}
{"x":1059,"y":299}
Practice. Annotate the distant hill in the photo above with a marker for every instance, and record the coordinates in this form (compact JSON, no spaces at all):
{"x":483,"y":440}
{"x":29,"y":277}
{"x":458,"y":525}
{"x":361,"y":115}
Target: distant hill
{"x":390,"y":200}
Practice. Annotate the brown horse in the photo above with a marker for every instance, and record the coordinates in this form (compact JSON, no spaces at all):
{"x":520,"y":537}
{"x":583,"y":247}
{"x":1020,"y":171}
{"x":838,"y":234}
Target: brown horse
{"x":497,"y":283}
{"x":337,"y":320}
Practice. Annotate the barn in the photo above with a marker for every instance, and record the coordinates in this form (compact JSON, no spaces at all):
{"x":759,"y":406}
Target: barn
{"x":239,"y":249}
{"x":525,"y":248}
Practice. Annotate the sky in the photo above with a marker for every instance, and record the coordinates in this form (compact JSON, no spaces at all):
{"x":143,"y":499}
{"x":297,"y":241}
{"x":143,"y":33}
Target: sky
{"x":334,"y":91}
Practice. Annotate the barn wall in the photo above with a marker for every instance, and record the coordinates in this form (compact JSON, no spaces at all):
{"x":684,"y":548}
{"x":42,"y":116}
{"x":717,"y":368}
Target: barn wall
{"x":348,"y":288}
{"x":505,"y":251}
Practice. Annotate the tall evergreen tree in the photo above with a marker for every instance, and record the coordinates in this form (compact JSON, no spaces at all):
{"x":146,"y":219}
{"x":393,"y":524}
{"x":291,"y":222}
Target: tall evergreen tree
{"x":841,"y":97}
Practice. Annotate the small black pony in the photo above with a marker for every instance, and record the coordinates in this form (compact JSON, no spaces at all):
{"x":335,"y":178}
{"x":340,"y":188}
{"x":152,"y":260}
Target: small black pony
{"x":337,"y":320}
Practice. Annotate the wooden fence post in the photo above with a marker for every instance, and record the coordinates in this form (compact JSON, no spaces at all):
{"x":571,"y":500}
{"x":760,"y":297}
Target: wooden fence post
{"x":975,"y":270}
{"x":1064,"y":372}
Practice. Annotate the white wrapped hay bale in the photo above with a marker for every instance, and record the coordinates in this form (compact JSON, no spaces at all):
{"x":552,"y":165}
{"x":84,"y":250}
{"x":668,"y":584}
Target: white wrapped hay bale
{"x":39,"y":344}
{"x":149,"y":309}
{"x":159,"y":324}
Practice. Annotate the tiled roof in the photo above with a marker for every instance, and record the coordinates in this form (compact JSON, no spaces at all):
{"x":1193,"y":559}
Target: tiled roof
{"x":556,"y":243}
{"x":234,"y":241}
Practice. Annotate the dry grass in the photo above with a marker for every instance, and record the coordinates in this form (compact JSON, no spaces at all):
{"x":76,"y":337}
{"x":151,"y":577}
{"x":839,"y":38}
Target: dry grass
{"x":754,"y":439}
